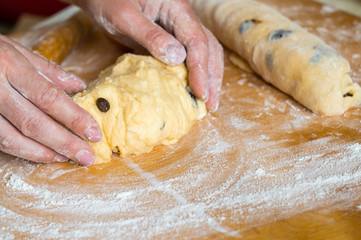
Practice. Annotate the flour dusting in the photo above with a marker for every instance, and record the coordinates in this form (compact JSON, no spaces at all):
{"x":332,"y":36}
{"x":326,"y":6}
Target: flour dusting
{"x":259,"y":159}
{"x":15,"y":182}
{"x":328,"y":9}
{"x":215,"y":190}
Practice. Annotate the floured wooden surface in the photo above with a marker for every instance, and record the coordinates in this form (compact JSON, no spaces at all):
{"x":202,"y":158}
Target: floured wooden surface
{"x":261,"y":166}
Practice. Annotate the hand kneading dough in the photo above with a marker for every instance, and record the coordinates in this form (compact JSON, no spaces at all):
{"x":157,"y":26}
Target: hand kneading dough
{"x":149,"y":104}
{"x":283,"y":53}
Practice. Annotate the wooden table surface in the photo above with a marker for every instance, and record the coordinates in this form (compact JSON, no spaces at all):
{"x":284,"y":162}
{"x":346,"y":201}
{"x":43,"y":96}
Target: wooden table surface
{"x":350,"y":6}
{"x":261,"y":167}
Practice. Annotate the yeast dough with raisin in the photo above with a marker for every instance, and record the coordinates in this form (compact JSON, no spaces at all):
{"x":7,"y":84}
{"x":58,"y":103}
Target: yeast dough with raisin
{"x":140,"y":103}
{"x":284,"y":54}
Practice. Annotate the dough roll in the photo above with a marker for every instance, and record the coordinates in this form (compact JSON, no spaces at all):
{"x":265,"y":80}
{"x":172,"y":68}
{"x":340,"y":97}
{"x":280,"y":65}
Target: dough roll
{"x":59,"y":39}
{"x":283,"y":54}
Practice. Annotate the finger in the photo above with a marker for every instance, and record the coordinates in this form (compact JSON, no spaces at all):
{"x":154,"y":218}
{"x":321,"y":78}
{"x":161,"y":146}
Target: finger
{"x":16,"y":144}
{"x":155,"y":39}
{"x":49,"y":98}
{"x":216,"y":69}
{"x":52,"y":72}
{"x":189,"y":32}
{"x":36,"y":125}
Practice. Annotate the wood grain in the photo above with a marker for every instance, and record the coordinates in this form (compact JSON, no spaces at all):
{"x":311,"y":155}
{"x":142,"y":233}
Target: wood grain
{"x":262,"y":167}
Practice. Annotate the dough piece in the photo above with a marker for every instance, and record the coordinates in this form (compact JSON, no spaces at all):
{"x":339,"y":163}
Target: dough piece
{"x":285,"y":55}
{"x":140,"y":103}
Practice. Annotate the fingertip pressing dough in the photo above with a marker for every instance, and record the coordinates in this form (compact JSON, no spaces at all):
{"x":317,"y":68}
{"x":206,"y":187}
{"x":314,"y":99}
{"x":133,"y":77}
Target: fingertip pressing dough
{"x":140,"y":103}
{"x":284,"y":54}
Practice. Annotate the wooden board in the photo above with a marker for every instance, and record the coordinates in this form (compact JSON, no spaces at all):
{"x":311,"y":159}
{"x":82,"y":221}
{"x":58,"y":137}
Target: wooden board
{"x":262,"y":167}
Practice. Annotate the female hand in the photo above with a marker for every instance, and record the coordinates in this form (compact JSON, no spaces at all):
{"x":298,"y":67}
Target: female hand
{"x":171,"y":32}
{"x":32,"y":96}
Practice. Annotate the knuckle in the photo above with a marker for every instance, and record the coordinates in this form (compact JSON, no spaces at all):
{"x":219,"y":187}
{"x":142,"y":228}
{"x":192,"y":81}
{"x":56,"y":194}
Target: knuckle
{"x":127,"y":8}
{"x":154,"y":36}
{"x":77,"y":121}
{"x":30,"y":125}
{"x":44,"y":157}
{"x":67,"y":147}
{"x":6,"y":143}
{"x":48,"y":97}
{"x":120,"y":20}
{"x":200,"y":40}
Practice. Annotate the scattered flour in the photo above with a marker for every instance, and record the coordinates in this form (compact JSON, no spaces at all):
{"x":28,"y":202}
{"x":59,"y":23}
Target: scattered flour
{"x":356,"y":56}
{"x":215,"y":192}
{"x":242,"y":124}
{"x":15,"y":182}
{"x":260,"y":172}
{"x":328,"y":9}
{"x":244,"y":169}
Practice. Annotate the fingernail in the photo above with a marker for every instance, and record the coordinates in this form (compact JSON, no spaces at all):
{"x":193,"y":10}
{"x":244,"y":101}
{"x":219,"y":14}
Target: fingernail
{"x":216,"y":103}
{"x":175,"y":54}
{"x":93,"y":134}
{"x":64,"y":77}
{"x":84,"y":157}
{"x":83,"y":84}
{"x":60,"y":158}
{"x":205,"y":96}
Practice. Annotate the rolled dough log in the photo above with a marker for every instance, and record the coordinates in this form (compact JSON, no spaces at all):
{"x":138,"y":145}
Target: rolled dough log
{"x":140,"y":103}
{"x":284,"y":54}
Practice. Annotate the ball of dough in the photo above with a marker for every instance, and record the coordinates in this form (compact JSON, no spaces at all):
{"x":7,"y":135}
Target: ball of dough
{"x":140,"y":103}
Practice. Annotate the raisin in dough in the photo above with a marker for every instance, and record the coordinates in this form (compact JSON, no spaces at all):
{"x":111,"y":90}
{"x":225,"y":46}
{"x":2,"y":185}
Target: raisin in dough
{"x":284,"y":54}
{"x":140,"y":103}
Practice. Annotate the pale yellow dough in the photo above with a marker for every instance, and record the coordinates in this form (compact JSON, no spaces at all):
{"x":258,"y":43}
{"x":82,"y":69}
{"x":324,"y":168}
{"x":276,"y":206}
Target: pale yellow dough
{"x":284,"y":54}
{"x":149,"y":106}
{"x":240,"y":62}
